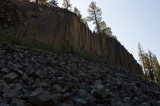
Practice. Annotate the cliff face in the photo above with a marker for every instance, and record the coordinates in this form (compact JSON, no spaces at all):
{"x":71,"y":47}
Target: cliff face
{"x":64,"y":30}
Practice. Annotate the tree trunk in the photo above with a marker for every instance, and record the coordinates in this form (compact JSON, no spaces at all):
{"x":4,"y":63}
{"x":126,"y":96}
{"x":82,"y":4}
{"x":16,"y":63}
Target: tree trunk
{"x":37,"y":2}
{"x":98,"y":29}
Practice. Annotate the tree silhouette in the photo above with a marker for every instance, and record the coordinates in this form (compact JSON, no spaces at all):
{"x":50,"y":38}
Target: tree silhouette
{"x":95,"y":15}
{"x":53,"y":3}
{"x":67,"y":5}
{"x":77,"y":12}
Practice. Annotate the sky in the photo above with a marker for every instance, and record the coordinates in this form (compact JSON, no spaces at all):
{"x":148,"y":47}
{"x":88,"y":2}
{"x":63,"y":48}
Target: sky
{"x":131,"y":21}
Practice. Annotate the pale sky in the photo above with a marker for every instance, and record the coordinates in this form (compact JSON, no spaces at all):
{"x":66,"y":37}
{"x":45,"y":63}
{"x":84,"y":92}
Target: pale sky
{"x":132,"y":21}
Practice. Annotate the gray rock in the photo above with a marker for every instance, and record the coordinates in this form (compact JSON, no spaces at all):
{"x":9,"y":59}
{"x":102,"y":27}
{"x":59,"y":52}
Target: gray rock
{"x":61,"y":78}
{"x":127,"y":100}
{"x":3,"y":86}
{"x":158,"y":103}
{"x":12,"y":66}
{"x":136,"y":101}
{"x":30,"y":81}
{"x":45,"y":85}
{"x":79,"y":100}
{"x":66,"y":104}
{"x":56,"y":88}
{"x":25,"y":76}
{"x":4,"y":104}
{"x":86,"y":96}
{"x":5,"y":70}
{"x":116,"y":100}
{"x":19,"y":72}
{"x":41,"y":99}
{"x":33,"y":61}
{"x":31,"y":71}
{"x":145,"y":104}
{"x":41,"y":73}
{"x":10,"y":77}
{"x":2,"y":52}
{"x":98,"y":91}
{"x":136,"y":91}
{"x":14,"y":91}
{"x":17,"y":102}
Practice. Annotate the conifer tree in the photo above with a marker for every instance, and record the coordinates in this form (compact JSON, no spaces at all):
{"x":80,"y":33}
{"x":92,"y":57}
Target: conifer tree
{"x":95,"y":15}
{"x":36,"y":2}
{"x":77,"y":12}
{"x":146,"y":65}
{"x":152,"y":69}
{"x":104,"y":29}
{"x":53,"y":3}
{"x":67,"y":5}
{"x":150,"y":64}
{"x":157,"y":68}
{"x":141,"y":57}
{"x":84,"y":20}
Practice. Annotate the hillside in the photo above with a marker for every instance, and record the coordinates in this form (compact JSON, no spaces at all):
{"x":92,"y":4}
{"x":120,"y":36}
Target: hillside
{"x":38,"y":78}
{"x":53,"y":59}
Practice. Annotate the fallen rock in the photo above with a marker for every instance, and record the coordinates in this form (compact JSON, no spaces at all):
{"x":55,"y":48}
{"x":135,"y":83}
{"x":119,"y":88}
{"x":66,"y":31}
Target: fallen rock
{"x":18,"y":102}
{"x":41,"y":99}
{"x":5,"y":70}
{"x":10,"y":77}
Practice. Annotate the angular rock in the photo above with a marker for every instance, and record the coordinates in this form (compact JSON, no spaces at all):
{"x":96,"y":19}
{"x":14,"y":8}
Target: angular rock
{"x":45,"y":85}
{"x":5,"y":70}
{"x":25,"y":76}
{"x":98,"y":91}
{"x":30,"y":81}
{"x":41,"y":99}
{"x":12,"y":66}
{"x":19,"y":72}
{"x":41,"y":73}
{"x":86,"y":96}
{"x":79,"y":100}
{"x":31,"y":71}
{"x":3,"y":86}
{"x":56,"y":88}
{"x":17,"y":102}
{"x":10,"y":77}
{"x":14,"y":91}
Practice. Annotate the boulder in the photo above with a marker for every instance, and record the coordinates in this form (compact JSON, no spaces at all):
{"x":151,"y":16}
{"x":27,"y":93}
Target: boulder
{"x":10,"y":77}
{"x":41,"y":99}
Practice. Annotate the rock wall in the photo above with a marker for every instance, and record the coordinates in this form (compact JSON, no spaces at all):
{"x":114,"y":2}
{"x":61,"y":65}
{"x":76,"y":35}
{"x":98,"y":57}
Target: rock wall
{"x":64,"y":30}
{"x":8,"y":14}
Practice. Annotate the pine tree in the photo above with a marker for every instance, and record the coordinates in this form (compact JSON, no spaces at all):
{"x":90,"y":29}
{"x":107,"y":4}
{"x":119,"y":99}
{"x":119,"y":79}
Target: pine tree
{"x":53,"y":3}
{"x":157,"y":68}
{"x":41,"y":1}
{"x":95,"y":15}
{"x":67,"y":5}
{"x":84,"y":20}
{"x":77,"y":12}
{"x":104,"y":29}
{"x":141,"y":57}
{"x":146,"y":65}
{"x":36,"y":2}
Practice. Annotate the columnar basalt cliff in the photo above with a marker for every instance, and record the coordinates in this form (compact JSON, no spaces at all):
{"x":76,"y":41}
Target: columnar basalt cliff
{"x":64,"y":30}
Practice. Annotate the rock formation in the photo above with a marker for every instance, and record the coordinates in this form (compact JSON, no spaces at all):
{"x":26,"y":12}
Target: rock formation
{"x":64,"y":30}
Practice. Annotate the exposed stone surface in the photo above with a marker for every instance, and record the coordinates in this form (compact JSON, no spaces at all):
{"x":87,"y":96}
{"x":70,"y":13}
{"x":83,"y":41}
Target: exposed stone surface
{"x":65,"y":31}
{"x":67,"y":80}
{"x":10,"y":77}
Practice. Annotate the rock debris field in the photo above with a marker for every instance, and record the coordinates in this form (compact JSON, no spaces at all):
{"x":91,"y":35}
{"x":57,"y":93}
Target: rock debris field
{"x":41,"y":78}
